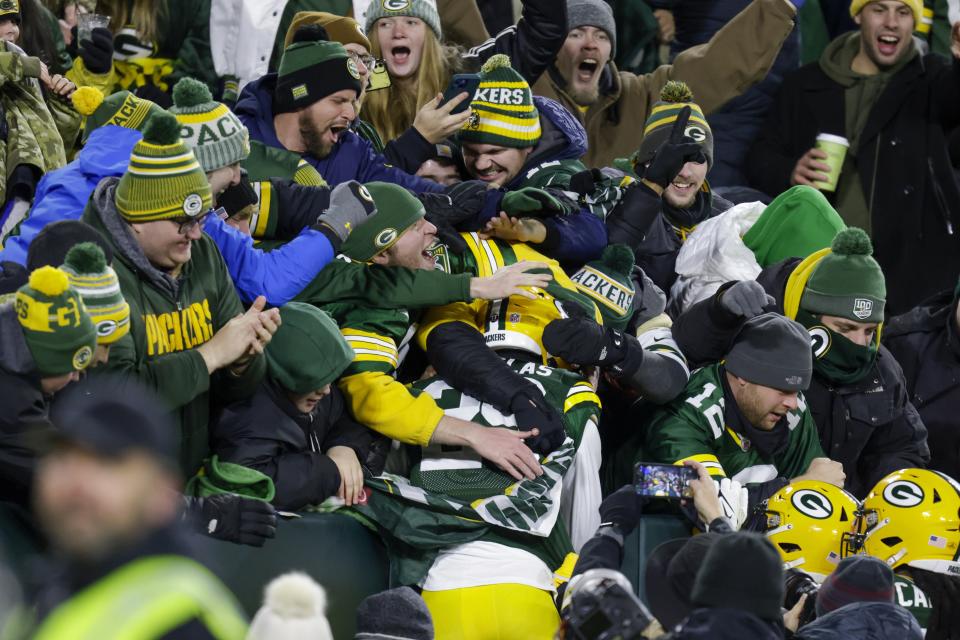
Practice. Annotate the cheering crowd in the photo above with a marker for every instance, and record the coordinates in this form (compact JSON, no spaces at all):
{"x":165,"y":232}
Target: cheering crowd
{"x":358,"y":263}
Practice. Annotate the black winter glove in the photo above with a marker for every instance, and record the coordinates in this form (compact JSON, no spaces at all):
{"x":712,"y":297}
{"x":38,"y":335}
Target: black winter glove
{"x":238,"y":196}
{"x":678,"y":150}
{"x":155,"y":95}
{"x":746,"y":299}
{"x":446,"y":211}
{"x":533,"y":412}
{"x":622,"y":508}
{"x":233,"y":518}
{"x":97,"y":51}
{"x":582,"y":341}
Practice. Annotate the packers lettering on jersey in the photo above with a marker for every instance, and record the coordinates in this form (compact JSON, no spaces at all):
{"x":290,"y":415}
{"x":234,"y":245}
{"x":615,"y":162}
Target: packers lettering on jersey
{"x":179,"y":330}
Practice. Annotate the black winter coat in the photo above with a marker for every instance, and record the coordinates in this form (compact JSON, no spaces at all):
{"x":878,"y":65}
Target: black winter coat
{"x":267,"y":433}
{"x":869,"y":426}
{"x":653,"y":229}
{"x":926,"y":343}
{"x":724,"y":624}
{"x":903,"y":166}
{"x":25,"y":411}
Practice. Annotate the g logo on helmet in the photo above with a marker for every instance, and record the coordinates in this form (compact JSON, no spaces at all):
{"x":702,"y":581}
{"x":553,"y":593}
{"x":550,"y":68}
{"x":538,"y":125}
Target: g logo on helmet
{"x":82,"y":358}
{"x":903,"y":493}
{"x":812,"y":503}
{"x":820,"y":341}
{"x":385,"y":238}
{"x":396,"y":5}
{"x":352,"y":69}
{"x":192,"y":205}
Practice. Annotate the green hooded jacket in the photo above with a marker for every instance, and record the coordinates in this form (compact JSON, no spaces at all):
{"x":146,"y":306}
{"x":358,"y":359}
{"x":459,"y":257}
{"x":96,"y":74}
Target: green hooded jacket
{"x":169,"y":318}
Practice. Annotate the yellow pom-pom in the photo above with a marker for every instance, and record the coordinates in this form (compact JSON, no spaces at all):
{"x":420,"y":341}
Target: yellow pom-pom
{"x":49,"y":281}
{"x":497,"y":61}
{"x":677,"y":92}
{"x":86,"y":100}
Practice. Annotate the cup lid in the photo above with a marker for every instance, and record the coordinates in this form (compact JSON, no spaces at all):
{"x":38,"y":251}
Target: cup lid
{"x":829,"y":137}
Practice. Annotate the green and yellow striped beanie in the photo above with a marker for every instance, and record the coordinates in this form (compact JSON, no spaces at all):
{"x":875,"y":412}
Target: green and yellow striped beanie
{"x":503,"y":110}
{"x":96,"y":282}
{"x":164,"y":179}
{"x":215,"y":134}
{"x":674,"y":97}
{"x":122,"y":109}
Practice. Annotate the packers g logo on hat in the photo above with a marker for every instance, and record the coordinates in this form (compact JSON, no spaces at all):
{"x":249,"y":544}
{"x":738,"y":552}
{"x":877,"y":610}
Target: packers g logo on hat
{"x":362,"y":191}
{"x":192,"y":205}
{"x":385,"y":238}
{"x":82,"y":358}
{"x":352,"y":69}
{"x":396,"y":5}
{"x":903,"y":493}
{"x":812,"y":503}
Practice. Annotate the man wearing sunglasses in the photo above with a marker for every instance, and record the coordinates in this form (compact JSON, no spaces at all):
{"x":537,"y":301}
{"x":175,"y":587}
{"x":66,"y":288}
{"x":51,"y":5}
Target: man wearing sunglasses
{"x":672,"y":196}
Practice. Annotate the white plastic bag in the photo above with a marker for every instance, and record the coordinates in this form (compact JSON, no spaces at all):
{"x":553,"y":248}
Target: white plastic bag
{"x":713,"y":254}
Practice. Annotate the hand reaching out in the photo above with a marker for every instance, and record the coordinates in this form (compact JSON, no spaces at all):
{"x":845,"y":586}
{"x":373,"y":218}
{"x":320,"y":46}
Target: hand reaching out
{"x":512,"y":280}
{"x":517,"y":229}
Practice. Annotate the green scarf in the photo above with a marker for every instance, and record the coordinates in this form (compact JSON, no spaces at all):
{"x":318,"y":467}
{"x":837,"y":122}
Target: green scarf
{"x":835,"y":357}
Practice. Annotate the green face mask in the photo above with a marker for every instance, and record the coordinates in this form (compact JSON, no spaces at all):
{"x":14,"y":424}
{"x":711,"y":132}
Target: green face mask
{"x":835,"y":357}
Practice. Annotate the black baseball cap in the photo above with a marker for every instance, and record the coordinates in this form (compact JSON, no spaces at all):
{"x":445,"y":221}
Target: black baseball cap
{"x":112,"y":416}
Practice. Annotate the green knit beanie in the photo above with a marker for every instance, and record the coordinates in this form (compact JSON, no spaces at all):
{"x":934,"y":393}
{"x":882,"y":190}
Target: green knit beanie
{"x":847,"y":282}
{"x":122,"y":109}
{"x":503,"y":111}
{"x":397,"y":211}
{"x":607,"y":282}
{"x":56,"y":326}
{"x":217,"y":137}
{"x":797,"y":223}
{"x":96,"y":282}
{"x":310,"y":71}
{"x":164,"y":179}
{"x":426,"y":10}
{"x":674,"y":96}
{"x":307,"y":352}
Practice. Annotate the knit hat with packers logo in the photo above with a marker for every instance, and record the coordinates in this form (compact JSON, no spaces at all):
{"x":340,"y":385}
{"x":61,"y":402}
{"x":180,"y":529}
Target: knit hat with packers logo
{"x":96,"y":282}
{"x":607,"y":282}
{"x":426,"y":10}
{"x":396,"y":211}
{"x":217,"y":137}
{"x":310,"y":71}
{"x":10,"y":9}
{"x":58,"y":330}
{"x":164,"y":179}
{"x":503,"y":111}
{"x":674,"y":97}
{"x":848,"y":281}
{"x":121,"y":108}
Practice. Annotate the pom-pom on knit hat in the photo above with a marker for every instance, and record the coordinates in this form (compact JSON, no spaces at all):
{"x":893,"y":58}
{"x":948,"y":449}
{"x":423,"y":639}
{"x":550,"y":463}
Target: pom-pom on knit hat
{"x":294,"y":608}
{"x":96,"y":282}
{"x":58,"y":330}
{"x":215,"y":134}
{"x":848,"y":281}
{"x":503,"y":111}
{"x":164,"y":179}
{"x":121,"y":108}
{"x":426,"y":10}
{"x":674,"y":96}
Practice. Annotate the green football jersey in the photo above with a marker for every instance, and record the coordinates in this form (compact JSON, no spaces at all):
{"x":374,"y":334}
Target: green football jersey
{"x":693,"y":427}
{"x":913,"y":599}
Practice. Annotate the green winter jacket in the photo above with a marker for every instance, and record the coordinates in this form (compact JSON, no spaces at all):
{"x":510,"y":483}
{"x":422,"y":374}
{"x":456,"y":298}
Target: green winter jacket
{"x":693,"y":427}
{"x":168,"y":320}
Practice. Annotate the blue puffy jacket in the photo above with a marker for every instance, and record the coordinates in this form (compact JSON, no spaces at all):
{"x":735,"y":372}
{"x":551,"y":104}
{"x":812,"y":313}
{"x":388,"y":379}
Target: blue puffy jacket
{"x":738,"y":122}
{"x":352,"y":157}
{"x":279,"y":275}
{"x":63,"y":193}
{"x":864,"y":621}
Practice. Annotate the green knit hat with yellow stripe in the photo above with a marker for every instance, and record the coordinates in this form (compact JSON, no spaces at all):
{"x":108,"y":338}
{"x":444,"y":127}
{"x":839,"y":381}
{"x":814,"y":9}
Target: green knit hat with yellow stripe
{"x":122,"y":109}
{"x":674,"y":97}
{"x":164,"y":180}
{"x":96,"y":282}
{"x":503,"y":111}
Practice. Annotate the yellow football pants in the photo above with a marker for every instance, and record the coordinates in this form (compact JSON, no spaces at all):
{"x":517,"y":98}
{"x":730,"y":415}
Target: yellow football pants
{"x":493,"y":612}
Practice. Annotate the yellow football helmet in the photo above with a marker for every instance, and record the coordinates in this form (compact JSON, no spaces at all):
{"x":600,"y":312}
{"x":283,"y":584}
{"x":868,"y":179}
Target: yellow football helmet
{"x":912,"y":517}
{"x":812,"y":524}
